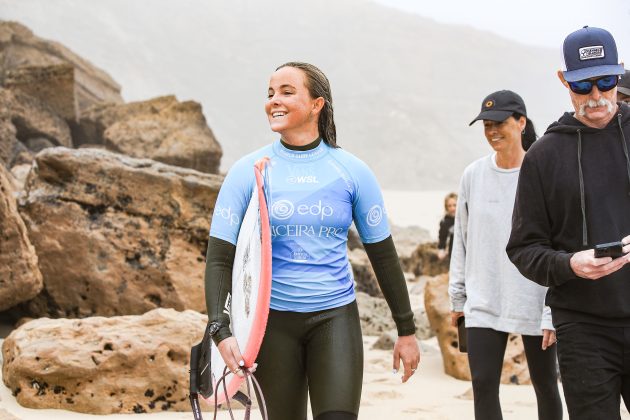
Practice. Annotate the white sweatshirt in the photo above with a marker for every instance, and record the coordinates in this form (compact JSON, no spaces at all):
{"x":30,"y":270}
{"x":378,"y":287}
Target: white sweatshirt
{"x":483,"y":283}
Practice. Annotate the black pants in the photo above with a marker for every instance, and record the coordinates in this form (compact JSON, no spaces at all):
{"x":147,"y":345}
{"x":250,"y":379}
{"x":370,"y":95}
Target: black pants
{"x":595,"y":368}
{"x":486,"y":349}
{"x":318,"y":354}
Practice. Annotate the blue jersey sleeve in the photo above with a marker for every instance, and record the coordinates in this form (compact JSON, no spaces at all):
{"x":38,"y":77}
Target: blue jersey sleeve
{"x":368,"y":207}
{"x":232,"y":201}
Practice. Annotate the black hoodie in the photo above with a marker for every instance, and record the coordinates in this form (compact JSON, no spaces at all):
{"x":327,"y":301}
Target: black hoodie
{"x":573,"y":193}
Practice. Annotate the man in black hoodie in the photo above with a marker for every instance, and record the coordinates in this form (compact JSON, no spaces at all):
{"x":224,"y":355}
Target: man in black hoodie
{"x":574,"y":193}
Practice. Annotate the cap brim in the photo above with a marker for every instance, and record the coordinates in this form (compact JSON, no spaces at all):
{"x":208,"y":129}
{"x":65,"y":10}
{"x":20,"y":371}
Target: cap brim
{"x":624,"y":90}
{"x":595,"y":71}
{"x":492,"y":116}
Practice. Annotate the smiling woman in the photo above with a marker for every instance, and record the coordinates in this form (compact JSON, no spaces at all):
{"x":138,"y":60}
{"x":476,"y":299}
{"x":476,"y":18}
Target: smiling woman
{"x":484,"y":286}
{"x":312,"y":345}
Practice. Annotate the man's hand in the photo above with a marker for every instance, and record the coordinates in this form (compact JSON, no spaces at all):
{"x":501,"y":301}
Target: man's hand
{"x":585,"y":265}
{"x":549,"y":339}
{"x":407,"y":350}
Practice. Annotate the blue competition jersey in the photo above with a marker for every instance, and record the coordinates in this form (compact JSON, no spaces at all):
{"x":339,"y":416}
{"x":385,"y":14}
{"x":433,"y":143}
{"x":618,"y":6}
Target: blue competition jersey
{"x":313,"y":197}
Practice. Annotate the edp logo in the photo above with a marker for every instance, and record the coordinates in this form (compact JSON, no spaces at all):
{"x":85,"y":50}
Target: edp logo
{"x":227,"y":214}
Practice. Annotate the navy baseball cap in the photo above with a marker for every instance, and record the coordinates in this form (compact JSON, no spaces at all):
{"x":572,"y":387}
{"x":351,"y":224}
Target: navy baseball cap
{"x":499,"y":105}
{"x":590,"y":52}
{"x":624,"y":84}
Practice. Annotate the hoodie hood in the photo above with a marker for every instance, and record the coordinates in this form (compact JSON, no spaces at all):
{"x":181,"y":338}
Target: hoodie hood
{"x":569,"y":124}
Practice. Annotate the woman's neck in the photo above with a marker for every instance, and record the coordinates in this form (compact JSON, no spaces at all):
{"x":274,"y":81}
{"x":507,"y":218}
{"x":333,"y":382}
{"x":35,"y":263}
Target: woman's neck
{"x":301,"y":137}
{"x":308,"y":146}
{"x":510,"y":158}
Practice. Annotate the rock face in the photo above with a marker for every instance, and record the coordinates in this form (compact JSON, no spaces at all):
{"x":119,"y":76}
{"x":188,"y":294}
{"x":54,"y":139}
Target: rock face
{"x":455,"y":363}
{"x":28,"y":125}
{"x":424,"y":261}
{"x":376,"y":317}
{"x":407,"y":239}
{"x":127,"y":364}
{"x":20,"y":278}
{"x":20,"y":48}
{"x":52,"y":85}
{"x":162,"y":129}
{"x":364,"y":276}
{"x":116,"y":235}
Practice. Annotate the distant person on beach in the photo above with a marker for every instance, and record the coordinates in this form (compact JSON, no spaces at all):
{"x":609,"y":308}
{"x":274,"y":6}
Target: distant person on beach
{"x":573,"y":194}
{"x":445,"y":236}
{"x":313,"y":345}
{"x":484,"y":286}
{"x":623,"y":89}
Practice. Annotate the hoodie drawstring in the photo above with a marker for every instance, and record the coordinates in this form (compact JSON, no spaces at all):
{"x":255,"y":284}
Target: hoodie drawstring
{"x":625,"y":147}
{"x":582,"y":199}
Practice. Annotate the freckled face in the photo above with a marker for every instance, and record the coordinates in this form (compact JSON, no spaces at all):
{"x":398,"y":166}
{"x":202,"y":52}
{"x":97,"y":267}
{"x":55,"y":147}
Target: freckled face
{"x":289,"y":105}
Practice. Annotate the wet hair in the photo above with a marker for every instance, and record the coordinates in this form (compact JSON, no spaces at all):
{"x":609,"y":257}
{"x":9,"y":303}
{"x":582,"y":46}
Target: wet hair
{"x":528,"y":136}
{"x":448,"y":197}
{"x":318,"y":86}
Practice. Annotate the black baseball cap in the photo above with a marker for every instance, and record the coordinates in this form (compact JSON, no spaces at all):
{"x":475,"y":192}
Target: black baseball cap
{"x":499,"y":105}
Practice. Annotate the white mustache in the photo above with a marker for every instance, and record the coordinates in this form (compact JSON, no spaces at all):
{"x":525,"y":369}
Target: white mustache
{"x":594,"y":104}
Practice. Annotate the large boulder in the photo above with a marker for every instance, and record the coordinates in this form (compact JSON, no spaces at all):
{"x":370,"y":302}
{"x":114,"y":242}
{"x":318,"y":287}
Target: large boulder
{"x":19,"y":48}
{"x":116,"y":235}
{"x":437,"y":305}
{"x":52,"y":85}
{"x":376,"y":318}
{"x":127,"y":364}
{"x":20,"y":278}
{"x":162,"y":129}
{"x":408,"y":238}
{"x":424,"y":260}
{"x":364,"y":277}
{"x":28,"y":125}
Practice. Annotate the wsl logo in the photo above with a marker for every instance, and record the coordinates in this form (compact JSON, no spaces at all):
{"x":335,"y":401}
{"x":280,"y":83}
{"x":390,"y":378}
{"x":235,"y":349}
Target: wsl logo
{"x":282,"y":210}
{"x":375,"y":215}
{"x":302,"y":179}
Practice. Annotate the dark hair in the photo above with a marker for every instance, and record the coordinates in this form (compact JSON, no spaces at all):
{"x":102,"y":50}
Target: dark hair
{"x":528,"y":136}
{"x":318,"y":86}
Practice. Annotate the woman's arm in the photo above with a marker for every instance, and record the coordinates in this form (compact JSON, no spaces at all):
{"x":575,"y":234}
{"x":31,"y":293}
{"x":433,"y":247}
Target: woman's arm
{"x":218,"y":283}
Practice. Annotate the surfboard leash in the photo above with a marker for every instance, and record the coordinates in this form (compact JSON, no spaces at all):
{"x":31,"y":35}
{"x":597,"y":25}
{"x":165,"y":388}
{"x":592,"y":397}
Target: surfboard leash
{"x":242,"y":398}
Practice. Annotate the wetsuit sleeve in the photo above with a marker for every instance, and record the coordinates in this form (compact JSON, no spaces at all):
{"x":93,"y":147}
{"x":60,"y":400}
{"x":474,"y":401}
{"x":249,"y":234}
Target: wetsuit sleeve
{"x":229,"y":209}
{"x":443,"y":234}
{"x":530,"y":247}
{"x":386,"y":265}
{"x":368,"y":208}
{"x":457,"y":270}
{"x":218,"y":283}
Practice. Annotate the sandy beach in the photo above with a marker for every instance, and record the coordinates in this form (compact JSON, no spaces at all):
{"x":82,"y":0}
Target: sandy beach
{"x":430,"y":395}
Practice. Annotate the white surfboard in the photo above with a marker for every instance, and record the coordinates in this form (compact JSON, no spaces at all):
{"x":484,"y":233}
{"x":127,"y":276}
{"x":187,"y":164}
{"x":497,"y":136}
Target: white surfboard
{"x":251,"y":289}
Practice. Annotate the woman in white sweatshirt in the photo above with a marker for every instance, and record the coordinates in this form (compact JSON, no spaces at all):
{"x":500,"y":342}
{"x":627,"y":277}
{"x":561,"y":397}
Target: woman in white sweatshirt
{"x":484,"y":286}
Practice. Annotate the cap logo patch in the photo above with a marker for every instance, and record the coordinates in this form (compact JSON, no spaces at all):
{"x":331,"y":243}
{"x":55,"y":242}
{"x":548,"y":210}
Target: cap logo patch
{"x":590,"y":53}
{"x":489,"y":104}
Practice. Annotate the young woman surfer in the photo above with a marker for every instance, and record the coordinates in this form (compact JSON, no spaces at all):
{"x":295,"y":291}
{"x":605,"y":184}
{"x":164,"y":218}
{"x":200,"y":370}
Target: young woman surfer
{"x":312,"y":345}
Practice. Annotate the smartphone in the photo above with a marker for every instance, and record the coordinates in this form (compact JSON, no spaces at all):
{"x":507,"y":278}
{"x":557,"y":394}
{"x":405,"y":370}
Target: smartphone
{"x":611,"y":249}
{"x":461,"y":334}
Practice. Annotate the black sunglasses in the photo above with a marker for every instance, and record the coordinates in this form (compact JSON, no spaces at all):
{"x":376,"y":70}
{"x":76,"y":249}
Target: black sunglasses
{"x":604,"y":84}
